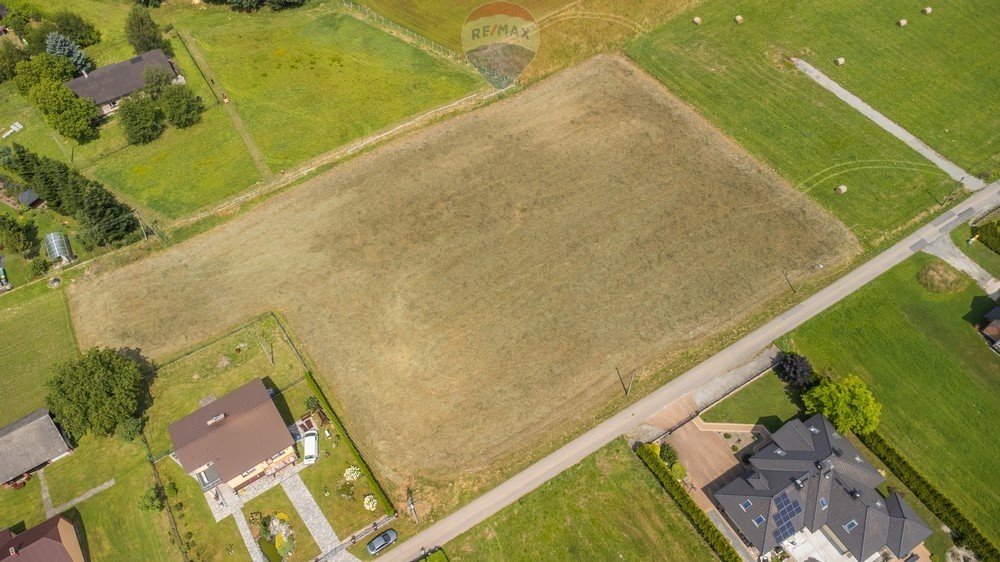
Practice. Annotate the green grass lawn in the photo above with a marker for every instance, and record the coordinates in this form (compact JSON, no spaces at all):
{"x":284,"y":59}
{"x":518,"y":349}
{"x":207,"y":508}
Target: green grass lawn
{"x":22,"y":507}
{"x":739,"y":77}
{"x":37,"y":336}
{"x":765,"y":401}
{"x":310,"y":79}
{"x":608,"y":507}
{"x":212,"y":541}
{"x":275,"y":501}
{"x":217,"y":369}
{"x":94,"y":461}
{"x":44,"y":221}
{"x":114,"y":528}
{"x":108,"y":16}
{"x":985,"y":257}
{"x":938,"y":381}
{"x":324,"y":480}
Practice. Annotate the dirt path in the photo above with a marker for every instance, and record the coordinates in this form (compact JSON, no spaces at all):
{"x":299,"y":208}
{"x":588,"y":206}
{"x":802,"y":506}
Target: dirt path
{"x":258,"y":157}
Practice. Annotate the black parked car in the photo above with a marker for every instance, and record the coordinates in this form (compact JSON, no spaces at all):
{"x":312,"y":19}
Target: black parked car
{"x":379,"y":543}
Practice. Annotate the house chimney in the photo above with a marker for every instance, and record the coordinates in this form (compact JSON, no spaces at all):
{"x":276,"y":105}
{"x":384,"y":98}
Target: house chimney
{"x":216,"y":419}
{"x":13,"y":552}
{"x":85,"y":75}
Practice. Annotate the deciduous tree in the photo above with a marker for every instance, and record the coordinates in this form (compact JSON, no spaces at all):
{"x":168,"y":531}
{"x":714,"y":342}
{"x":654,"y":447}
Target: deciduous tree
{"x":142,"y":32}
{"x":141,"y":119}
{"x":72,"y":25}
{"x":181,"y":106}
{"x":795,"y":370}
{"x":9,"y":57}
{"x":95,"y":393}
{"x":39,"y":67}
{"x":846,"y":402}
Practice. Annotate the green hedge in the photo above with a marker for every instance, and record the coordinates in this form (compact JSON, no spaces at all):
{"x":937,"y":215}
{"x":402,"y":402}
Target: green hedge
{"x":963,"y":530}
{"x":715,"y":539}
{"x":989,"y":235}
{"x":325,"y":404}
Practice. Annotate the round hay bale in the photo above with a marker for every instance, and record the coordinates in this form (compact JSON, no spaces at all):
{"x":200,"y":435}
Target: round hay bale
{"x":739,"y":19}
{"x":939,"y":277}
{"x":697,"y":20}
{"x":840,"y":61}
{"x":840,"y":189}
{"x":927,"y":10}
{"x":901,"y":23}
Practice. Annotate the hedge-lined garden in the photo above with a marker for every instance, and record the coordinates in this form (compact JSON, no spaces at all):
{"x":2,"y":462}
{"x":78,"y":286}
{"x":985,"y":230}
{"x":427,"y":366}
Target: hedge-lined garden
{"x":963,"y":530}
{"x":650,"y":455}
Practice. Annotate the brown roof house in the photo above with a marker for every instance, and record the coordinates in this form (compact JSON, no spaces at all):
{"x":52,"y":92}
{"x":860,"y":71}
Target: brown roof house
{"x":233,"y":440}
{"x":52,"y":541}
{"x":28,"y":444}
{"x":107,"y":85}
{"x":991,"y":329}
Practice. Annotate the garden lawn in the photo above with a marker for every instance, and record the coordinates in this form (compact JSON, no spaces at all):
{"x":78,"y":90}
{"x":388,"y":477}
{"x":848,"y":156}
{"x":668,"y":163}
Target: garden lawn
{"x":765,"y":401}
{"x":985,"y":257}
{"x":94,"y":461}
{"x":324,"y":479}
{"x":37,"y":336}
{"x":108,"y":16}
{"x":22,"y":507}
{"x":740,"y":78}
{"x":320,"y":79}
{"x":937,"y":379}
{"x":608,"y":507}
{"x":112,"y":527}
{"x":212,"y":541}
{"x":183,"y":170}
{"x":274,"y":501}
{"x":216,"y":368}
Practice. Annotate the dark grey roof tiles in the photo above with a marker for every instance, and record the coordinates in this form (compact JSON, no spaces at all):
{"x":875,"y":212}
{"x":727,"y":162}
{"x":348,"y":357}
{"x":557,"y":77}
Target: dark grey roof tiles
{"x":29,"y":442}
{"x":118,"y":80}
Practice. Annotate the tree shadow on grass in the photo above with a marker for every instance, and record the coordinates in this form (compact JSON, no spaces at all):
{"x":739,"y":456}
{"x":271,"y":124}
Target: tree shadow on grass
{"x":81,"y":530}
{"x":148,"y":369}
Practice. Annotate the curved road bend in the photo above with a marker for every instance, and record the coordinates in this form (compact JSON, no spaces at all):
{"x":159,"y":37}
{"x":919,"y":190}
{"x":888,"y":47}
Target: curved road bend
{"x":743,"y":350}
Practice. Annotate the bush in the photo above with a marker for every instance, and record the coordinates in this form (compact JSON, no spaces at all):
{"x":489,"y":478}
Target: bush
{"x":701,"y":522}
{"x":668,"y":454}
{"x":963,"y":530}
{"x":181,"y":106}
{"x":38,"y":266}
{"x":989,"y":234}
{"x":795,"y":370}
{"x":678,"y":470}
{"x":152,"y":499}
{"x":129,"y":430}
{"x":171,"y":491}
{"x":13,"y":235}
{"x":141,"y":119}
{"x":148,"y":3}
{"x":9,"y":57}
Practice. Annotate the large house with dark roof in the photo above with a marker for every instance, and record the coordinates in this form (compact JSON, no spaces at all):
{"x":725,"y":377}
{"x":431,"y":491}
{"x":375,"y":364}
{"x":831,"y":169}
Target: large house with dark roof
{"x":54,"y":540}
{"x":233,"y":440}
{"x":107,"y":85}
{"x":28,"y":444}
{"x":812,"y":484}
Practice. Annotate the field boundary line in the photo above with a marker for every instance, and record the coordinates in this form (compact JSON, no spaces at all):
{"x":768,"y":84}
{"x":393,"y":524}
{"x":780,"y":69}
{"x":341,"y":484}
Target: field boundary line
{"x":170,"y":511}
{"x":288,"y":177}
{"x":374,"y":19}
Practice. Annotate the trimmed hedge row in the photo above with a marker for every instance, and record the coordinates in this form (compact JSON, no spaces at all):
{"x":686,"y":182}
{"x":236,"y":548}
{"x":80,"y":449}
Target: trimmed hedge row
{"x":963,"y":530}
{"x":715,"y":539}
{"x":325,"y":404}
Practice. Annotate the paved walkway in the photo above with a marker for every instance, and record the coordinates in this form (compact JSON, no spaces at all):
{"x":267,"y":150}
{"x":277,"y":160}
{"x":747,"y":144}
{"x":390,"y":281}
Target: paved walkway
{"x":953,"y":170}
{"x":945,"y":249}
{"x":241,"y":523}
{"x":47,"y":499}
{"x":310,"y":513}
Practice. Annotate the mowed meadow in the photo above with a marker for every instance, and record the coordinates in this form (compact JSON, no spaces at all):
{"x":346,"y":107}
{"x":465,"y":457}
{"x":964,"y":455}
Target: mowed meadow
{"x":613,"y":245}
{"x":740,"y":77}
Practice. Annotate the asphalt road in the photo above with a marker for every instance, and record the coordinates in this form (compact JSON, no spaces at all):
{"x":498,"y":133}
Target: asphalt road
{"x":729,"y":358}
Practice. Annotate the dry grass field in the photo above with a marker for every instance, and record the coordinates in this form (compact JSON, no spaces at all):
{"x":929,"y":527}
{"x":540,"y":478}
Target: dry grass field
{"x":470,"y":289}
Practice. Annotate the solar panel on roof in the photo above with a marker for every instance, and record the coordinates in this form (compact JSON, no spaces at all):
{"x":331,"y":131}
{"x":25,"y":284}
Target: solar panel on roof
{"x":787,"y":508}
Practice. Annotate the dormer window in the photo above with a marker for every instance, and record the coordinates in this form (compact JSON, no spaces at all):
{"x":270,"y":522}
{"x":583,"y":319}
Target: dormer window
{"x":746,"y":505}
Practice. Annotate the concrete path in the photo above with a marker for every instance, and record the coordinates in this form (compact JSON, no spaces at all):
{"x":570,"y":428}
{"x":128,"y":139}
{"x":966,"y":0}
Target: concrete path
{"x":241,"y":523}
{"x":945,"y":249}
{"x":46,"y":498}
{"x":953,"y":170}
{"x":736,"y":354}
{"x":310,"y":513}
{"x":51,"y":511}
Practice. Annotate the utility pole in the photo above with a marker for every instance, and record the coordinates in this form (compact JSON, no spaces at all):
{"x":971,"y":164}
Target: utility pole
{"x":630,"y":381}
{"x":411,"y":507}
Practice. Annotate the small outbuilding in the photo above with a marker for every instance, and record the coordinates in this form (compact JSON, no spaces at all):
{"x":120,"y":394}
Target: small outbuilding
{"x":29,"y":198}
{"x":28,"y":444}
{"x":57,"y":246}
